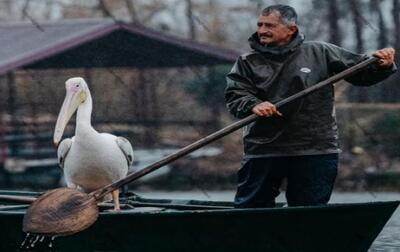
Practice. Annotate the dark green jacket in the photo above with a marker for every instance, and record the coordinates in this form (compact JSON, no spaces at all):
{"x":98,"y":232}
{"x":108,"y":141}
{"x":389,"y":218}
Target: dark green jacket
{"x":273,"y":73}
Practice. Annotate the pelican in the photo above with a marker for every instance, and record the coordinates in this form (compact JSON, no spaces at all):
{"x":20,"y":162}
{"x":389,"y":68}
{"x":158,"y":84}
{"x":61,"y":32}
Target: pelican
{"x":90,"y":159}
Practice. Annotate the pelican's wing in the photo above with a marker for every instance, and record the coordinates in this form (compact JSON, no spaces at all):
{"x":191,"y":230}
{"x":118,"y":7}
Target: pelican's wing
{"x":126,"y":148}
{"x":63,"y":150}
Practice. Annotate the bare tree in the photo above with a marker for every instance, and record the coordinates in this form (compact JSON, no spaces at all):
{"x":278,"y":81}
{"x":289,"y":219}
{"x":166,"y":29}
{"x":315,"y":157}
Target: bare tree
{"x":382,"y":37}
{"x":394,"y":93}
{"x":190,"y":20}
{"x":335,"y":35}
{"x":130,"y":5}
{"x":396,"y":22}
{"x":214,"y":30}
{"x":355,"y":8}
{"x":358,"y":94}
{"x":102,"y":6}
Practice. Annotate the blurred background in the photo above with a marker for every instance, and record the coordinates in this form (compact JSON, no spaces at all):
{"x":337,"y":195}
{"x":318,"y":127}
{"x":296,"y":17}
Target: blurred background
{"x":156,"y":70}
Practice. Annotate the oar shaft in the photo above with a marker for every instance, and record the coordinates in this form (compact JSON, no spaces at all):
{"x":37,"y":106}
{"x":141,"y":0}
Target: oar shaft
{"x":335,"y":78}
{"x":227,"y":130}
{"x":17,"y":199}
{"x":180,"y":153}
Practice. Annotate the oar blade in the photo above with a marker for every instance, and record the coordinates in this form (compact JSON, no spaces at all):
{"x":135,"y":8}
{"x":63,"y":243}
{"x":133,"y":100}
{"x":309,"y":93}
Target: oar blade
{"x":60,"y":212}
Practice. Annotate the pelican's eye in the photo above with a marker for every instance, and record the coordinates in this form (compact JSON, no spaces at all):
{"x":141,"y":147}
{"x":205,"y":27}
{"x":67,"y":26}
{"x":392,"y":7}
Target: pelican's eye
{"x":77,"y":85}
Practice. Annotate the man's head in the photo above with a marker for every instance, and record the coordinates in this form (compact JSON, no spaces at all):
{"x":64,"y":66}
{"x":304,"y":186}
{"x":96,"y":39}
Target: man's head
{"x":277,"y":24}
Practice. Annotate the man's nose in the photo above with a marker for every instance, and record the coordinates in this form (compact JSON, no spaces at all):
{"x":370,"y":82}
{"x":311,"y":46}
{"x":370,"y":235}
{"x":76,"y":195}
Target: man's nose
{"x":262,"y":29}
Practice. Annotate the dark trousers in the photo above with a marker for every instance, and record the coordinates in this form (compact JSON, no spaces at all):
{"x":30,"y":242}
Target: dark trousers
{"x":310,"y":180}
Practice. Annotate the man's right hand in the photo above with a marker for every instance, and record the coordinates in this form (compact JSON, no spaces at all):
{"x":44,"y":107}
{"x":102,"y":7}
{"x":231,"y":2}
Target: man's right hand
{"x":265,"y":109}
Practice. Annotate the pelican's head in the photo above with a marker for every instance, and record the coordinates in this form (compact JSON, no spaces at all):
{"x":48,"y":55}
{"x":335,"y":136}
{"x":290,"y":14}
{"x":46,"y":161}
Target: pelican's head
{"x":76,"y":95}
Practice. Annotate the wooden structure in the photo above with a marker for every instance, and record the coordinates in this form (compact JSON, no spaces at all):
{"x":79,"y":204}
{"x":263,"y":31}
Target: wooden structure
{"x":90,"y":44}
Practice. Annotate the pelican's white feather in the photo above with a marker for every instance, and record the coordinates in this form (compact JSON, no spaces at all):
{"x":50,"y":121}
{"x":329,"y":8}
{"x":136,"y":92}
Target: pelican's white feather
{"x":91,"y":159}
{"x":126,"y":148}
{"x":63,"y":150}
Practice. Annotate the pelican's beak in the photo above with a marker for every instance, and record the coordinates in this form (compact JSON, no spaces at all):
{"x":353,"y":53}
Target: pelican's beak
{"x":71,"y":103}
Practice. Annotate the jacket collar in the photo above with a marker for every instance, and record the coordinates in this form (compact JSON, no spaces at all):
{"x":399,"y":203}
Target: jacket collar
{"x":276,"y":50}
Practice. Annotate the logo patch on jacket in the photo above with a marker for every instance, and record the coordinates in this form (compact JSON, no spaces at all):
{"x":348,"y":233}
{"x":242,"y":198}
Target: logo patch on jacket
{"x":305,"y":70}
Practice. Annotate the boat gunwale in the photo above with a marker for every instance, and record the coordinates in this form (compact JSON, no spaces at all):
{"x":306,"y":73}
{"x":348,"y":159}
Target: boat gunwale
{"x":237,"y":211}
{"x":329,"y":207}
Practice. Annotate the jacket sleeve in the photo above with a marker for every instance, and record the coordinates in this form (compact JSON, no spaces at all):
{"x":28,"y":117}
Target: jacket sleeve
{"x":340,"y":59}
{"x":240,"y":92}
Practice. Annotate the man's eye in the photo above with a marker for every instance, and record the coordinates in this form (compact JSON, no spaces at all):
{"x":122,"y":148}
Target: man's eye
{"x":259,"y":24}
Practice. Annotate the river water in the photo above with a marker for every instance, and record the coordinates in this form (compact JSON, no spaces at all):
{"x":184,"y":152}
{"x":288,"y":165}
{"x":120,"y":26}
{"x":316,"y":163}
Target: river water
{"x":387,"y":241}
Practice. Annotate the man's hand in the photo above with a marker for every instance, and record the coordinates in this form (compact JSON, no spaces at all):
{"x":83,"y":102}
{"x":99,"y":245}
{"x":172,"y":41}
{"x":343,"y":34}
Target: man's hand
{"x":385,"y":56}
{"x":266,"y":109}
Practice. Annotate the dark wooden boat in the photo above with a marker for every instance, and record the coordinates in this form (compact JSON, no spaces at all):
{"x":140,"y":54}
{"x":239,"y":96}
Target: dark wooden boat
{"x":206,"y":226}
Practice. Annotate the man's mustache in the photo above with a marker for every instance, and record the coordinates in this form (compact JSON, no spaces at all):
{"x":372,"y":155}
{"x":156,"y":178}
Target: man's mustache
{"x":268,"y":35}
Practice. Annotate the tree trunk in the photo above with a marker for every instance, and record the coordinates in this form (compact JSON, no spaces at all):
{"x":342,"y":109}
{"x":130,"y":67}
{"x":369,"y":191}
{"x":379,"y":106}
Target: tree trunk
{"x":382,"y":37}
{"x":25,"y":9}
{"x":358,"y":24}
{"x":382,"y":40}
{"x":191,"y":24}
{"x":395,"y":88}
{"x":358,"y":94}
{"x":105,"y":11}
{"x":132,"y":10}
{"x":396,"y":25}
{"x":335,"y":36}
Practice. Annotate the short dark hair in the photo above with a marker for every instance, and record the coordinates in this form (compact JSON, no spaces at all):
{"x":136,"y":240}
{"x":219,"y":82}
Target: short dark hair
{"x":287,"y":13}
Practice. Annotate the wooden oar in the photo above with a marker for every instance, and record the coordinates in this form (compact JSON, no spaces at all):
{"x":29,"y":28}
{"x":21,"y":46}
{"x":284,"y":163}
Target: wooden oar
{"x":66,"y":211}
{"x":17,"y":199}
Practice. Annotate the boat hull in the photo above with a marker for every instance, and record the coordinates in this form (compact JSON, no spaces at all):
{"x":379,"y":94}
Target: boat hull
{"x":340,"y":227}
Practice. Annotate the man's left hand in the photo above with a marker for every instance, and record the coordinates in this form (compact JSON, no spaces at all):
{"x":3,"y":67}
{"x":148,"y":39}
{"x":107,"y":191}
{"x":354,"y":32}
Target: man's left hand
{"x":385,"y":56}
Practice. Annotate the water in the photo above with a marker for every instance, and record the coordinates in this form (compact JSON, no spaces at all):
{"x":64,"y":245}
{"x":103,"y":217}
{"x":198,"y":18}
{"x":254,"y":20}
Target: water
{"x":36,"y":243}
{"x":387,"y":241}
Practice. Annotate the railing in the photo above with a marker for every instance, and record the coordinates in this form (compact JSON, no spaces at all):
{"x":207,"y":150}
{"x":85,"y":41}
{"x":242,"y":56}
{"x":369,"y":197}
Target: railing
{"x":26,"y":147}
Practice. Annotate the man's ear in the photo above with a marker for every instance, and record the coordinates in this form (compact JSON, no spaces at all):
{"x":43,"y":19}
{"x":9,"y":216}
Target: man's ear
{"x":293,"y":29}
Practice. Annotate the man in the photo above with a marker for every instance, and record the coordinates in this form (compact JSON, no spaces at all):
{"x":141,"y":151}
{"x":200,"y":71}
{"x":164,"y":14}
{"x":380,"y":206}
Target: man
{"x":300,"y":141}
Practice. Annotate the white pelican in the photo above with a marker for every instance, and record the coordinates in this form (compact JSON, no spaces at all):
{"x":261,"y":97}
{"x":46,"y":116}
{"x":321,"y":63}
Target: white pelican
{"x":90,"y":160}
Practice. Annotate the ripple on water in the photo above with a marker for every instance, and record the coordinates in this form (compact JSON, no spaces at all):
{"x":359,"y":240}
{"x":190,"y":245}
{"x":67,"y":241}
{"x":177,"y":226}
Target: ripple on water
{"x":389,"y":239}
{"x":37,"y":242}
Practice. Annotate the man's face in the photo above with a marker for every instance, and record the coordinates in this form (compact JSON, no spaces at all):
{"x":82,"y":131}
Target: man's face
{"x":271,"y":30}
